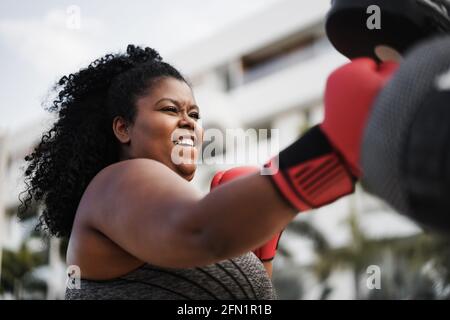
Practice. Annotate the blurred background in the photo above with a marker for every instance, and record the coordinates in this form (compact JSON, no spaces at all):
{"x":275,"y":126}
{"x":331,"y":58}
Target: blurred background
{"x":253,"y":64}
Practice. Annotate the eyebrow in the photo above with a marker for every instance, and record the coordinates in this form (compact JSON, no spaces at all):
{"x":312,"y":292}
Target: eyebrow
{"x":193,"y":106}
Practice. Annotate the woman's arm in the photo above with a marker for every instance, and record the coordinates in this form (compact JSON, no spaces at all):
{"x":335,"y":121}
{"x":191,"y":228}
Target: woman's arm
{"x":158,"y":217}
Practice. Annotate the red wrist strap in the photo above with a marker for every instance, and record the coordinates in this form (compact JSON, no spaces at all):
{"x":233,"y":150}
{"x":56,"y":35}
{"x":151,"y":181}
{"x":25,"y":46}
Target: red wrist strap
{"x":310,"y":173}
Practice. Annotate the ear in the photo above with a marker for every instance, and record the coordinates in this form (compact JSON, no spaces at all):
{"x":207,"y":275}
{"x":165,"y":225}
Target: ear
{"x":120,"y":127}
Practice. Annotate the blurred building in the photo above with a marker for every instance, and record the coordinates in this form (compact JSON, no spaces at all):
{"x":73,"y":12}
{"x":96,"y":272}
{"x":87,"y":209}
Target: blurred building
{"x":265,"y":72}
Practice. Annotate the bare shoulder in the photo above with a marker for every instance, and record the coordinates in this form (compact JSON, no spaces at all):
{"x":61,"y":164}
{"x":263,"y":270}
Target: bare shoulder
{"x":130,"y":188}
{"x":127,"y":170}
{"x":114,"y":181}
{"x":109,"y":200}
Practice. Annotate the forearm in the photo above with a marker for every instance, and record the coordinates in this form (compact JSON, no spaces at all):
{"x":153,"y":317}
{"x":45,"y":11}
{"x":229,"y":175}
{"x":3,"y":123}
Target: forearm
{"x":239,"y":216}
{"x":245,"y":213}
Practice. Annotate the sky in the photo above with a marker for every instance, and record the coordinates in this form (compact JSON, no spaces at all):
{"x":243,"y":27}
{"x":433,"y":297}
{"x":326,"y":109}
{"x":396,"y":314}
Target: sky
{"x":40,"y":41}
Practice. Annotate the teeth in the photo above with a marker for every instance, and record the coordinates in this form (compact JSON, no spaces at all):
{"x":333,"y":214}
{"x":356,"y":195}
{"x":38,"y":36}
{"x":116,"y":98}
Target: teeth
{"x":185,"y":142}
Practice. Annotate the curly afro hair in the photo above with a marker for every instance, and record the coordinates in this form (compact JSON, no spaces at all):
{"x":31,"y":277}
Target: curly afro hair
{"x":81,"y":142}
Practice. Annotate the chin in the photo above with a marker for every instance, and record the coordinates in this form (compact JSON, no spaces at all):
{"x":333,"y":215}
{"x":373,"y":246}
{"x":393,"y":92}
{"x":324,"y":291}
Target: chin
{"x":187,"y":171}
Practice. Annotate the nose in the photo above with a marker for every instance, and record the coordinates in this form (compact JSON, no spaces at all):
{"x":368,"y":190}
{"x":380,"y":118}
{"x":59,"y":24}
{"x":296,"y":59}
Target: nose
{"x":186,"y":122}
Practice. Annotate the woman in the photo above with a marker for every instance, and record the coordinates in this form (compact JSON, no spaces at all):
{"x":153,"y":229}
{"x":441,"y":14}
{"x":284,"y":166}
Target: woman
{"x":108,"y":178}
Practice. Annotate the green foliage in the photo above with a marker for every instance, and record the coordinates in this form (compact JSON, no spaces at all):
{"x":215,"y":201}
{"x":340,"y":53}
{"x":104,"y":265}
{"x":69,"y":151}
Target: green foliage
{"x":17,"y":271}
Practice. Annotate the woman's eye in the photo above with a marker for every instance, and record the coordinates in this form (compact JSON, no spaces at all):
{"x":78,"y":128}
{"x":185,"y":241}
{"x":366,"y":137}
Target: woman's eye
{"x":195,"y":115}
{"x":171,"y":109}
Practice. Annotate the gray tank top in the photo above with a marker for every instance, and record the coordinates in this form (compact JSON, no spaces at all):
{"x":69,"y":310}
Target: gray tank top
{"x":243,"y":277}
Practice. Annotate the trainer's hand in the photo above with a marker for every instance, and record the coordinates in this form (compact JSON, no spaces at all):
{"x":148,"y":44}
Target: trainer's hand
{"x":349,"y":96}
{"x":267,"y":251}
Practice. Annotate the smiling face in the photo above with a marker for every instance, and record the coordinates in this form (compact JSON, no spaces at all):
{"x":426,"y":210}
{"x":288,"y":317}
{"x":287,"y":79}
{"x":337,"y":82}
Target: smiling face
{"x":165,"y":129}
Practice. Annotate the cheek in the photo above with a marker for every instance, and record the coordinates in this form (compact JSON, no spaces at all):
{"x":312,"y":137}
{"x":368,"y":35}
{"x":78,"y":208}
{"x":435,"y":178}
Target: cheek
{"x":200,"y":135}
{"x":144,"y":130}
{"x":154,"y":131}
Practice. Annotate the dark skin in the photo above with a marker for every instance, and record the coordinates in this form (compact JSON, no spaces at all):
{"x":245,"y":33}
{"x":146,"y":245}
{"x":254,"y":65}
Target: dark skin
{"x":143,"y":209}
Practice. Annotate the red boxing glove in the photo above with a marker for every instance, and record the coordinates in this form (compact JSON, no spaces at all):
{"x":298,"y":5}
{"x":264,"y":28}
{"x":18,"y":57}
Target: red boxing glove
{"x":322,"y":165}
{"x":350,"y":93}
{"x":268,"y":250}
